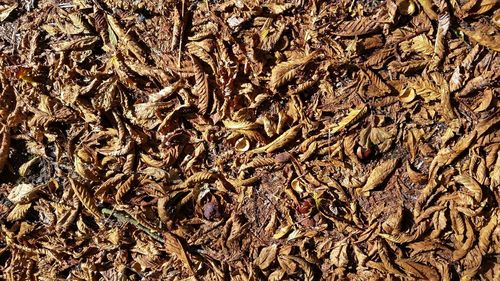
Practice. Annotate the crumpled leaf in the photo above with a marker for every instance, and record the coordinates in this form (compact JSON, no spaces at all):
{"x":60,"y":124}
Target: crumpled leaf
{"x":286,"y":71}
{"x":21,"y":192}
{"x":339,"y":256}
{"x":491,"y":42}
{"x":84,"y":196}
{"x":267,"y":256}
{"x":280,"y":141}
{"x":352,"y":117}
{"x":4,"y":147}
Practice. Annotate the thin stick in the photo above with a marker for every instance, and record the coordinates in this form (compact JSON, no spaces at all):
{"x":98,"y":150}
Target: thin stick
{"x":181,"y":39}
{"x":127,"y":219}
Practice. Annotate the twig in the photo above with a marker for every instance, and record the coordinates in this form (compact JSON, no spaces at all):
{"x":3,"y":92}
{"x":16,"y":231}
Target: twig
{"x":127,"y":219}
{"x":181,"y":38}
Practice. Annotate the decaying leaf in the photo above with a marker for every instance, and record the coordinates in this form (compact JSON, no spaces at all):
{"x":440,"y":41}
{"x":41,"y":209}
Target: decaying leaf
{"x":288,"y":70}
{"x":249,"y":140}
{"x":267,"y":256}
{"x":21,"y":193}
{"x":85,"y":197}
{"x":4,"y":147}
{"x":339,"y":256}
{"x":357,"y":27}
{"x":280,"y":141}
{"x":127,"y":40}
{"x":378,"y":175}
{"x":352,"y":117}
{"x":482,"y":38}
{"x":201,"y":89}
{"x":175,"y":247}
{"x":19,"y":212}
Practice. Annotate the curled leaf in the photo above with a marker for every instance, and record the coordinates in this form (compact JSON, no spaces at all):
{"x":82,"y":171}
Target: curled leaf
{"x":280,"y":141}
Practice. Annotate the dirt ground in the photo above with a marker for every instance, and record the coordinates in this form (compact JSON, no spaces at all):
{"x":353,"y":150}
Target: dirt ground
{"x":249,"y":140}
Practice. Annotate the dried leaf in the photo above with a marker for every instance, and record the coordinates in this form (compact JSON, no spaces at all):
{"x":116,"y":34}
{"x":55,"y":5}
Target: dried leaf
{"x":267,"y":256}
{"x":4,"y":147}
{"x":280,"y":141}
{"x":82,"y":43}
{"x":202,"y":90}
{"x":21,"y":193}
{"x":338,"y":255}
{"x":427,"y":6}
{"x":174,"y":246}
{"x":378,"y":176}
{"x":491,"y":42}
{"x":85,"y":197}
{"x":125,"y":38}
{"x":19,"y":212}
{"x":352,"y":117}
{"x":286,"y":71}
{"x":358,"y":27}
{"x":282,"y":232}
{"x":6,"y":9}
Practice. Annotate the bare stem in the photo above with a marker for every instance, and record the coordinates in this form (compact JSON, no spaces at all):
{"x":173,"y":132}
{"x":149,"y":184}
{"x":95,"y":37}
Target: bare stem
{"x":122,"y":217}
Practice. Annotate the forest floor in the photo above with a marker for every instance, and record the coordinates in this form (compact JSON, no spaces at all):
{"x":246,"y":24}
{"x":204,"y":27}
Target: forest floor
{"x":249,"y":140}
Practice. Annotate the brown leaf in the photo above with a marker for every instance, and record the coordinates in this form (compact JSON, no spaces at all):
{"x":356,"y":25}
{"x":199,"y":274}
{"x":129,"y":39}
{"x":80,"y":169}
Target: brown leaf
{"x":85,"y":197}
{"x":358,"y":27}
{"x":126,"y":39}
{"x":280,"y":141}
{"x":201,"y":89}
{"x":76,"y":44}
{"x":378,"y":176}
{"x":174,"y":247}
{"x":491,"y":42}
{"x":427,"y":6}
{"x":22,"y":193}
{"x":286,"y":71}
{"x":267,"y":256}
{"x":338,"y":255}
{"x":18,"y":212}
{"x":4,"y":146}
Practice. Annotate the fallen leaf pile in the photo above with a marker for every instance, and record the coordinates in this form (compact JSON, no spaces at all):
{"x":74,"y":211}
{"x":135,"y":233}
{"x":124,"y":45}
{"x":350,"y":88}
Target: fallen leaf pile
{"x":249,"y":140}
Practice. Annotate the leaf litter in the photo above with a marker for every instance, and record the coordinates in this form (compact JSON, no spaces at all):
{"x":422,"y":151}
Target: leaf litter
{"x":249,"y":140}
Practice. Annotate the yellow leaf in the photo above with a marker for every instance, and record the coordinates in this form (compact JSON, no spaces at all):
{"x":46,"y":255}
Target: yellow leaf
{"x":5,"y":10}
{"x":280,"y":141}
{"x":352,"y":117}
{"x":282,"y":232}
{"x":491,"y":42}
